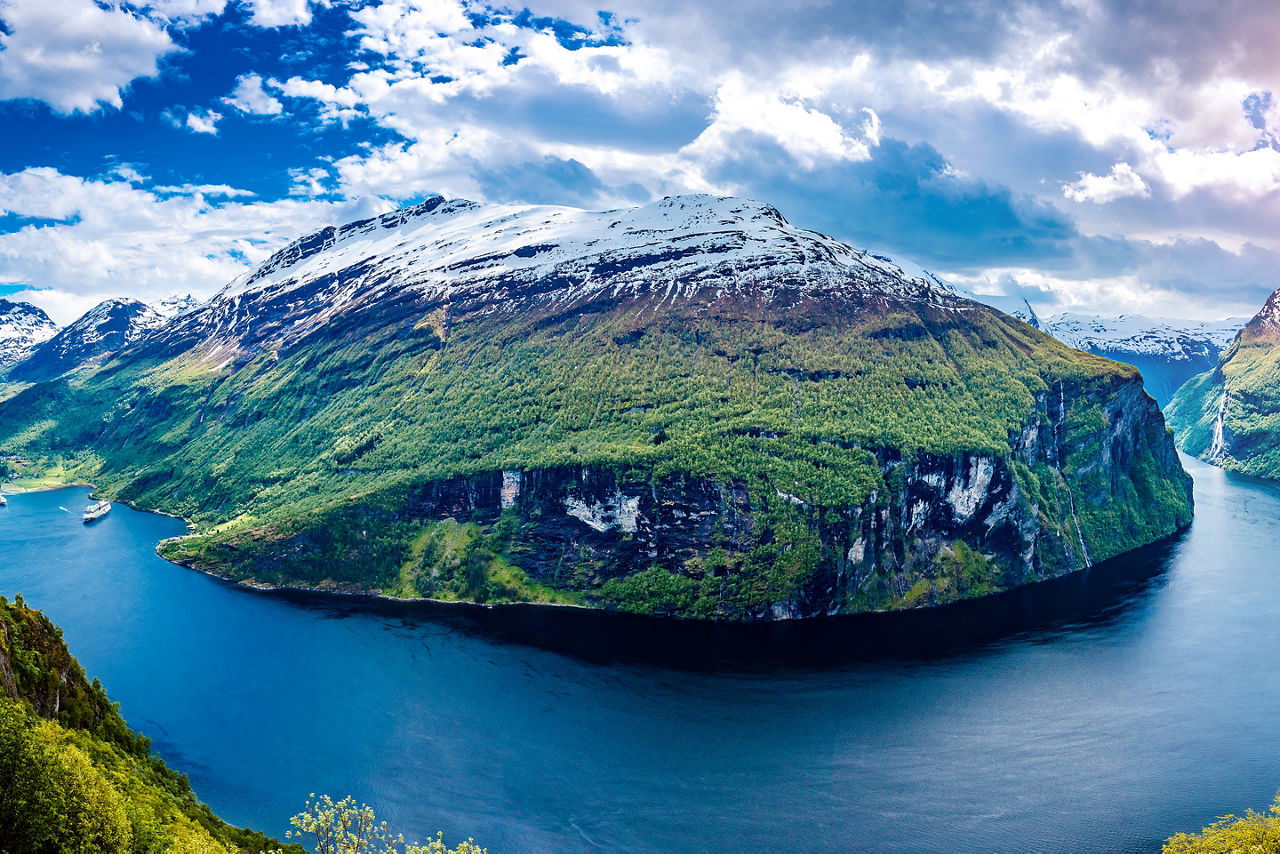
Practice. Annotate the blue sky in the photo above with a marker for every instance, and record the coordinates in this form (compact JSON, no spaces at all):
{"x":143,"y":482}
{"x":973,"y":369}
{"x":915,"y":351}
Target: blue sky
{"x":1092,"y":155}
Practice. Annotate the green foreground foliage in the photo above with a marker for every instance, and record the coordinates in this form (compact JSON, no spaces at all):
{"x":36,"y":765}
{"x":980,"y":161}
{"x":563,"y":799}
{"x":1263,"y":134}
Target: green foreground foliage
{"x":74,"y":777}
{"x":341,"y":827}
{"x":1252,"y":833}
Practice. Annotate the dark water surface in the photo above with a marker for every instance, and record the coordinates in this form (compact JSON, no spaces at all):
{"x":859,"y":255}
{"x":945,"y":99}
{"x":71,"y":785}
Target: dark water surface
{"x":1100,"y":712}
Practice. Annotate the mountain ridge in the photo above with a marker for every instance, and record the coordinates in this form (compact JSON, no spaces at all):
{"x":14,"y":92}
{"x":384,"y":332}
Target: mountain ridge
{"x":23,"y":326}
{"x":690,"y":408}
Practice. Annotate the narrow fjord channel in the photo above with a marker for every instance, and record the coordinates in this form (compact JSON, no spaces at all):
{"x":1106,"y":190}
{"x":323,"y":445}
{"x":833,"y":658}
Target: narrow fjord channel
{"x":1099,"y":712}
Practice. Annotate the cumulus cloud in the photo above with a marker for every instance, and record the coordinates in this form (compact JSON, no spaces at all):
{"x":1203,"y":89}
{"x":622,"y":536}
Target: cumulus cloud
{"x":1079,"y":147}
{"x":75,"y":55}
{"x":84,"y":237}
{"x":336,"y":103}
{"x":249,"y":96}
{"x":203,"y":121}
{"x":279,"y":13}
{"x":1120,"y":182}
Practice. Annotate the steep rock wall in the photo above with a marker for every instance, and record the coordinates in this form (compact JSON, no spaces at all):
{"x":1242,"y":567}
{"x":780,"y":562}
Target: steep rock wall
{"x":1082,"y":482}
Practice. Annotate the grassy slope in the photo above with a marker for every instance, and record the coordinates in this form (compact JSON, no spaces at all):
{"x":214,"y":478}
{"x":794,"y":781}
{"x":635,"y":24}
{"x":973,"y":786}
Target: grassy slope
{"x":72,"y":773}
{"x":329,"y":436}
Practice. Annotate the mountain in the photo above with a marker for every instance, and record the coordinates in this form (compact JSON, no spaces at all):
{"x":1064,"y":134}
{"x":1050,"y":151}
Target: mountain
{"x":102,"y":331}
{"x":1168,"y":352}
{"x":690,"y":408}
{"x":175,"y":305}
{"x":1231,"y":415}
{"x":73,"y":776}
{"x":22,"y":326}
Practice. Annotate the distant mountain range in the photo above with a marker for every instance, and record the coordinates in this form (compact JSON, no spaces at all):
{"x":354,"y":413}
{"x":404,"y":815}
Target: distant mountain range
{"x":1167,"y":351}
{"x":691,"y":408}
{"x":32,"y":347}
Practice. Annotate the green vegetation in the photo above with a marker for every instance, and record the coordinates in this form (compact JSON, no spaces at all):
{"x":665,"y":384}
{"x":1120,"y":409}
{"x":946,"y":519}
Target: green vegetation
{"x":73,"y":776}
{"x":341,"y":827}
{"x":1253,"y":833}
{"x":1233,"y":412}
{"x":305,"y":466}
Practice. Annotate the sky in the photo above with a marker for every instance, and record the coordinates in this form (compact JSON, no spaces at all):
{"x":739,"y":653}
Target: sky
{"x":1101,"y":156}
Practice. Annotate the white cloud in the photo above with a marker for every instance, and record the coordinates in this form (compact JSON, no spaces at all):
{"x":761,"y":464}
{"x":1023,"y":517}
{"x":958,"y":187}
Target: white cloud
{"x":203,"y":122}
{"x":309,"y":182}
{"x":75,"y":55}
{"x":250,"y":97}
{"x":807,"y":133}
{"x":185,"y":11}
{"x":279,"y":13}
{"x":336,"y":103}
{"x":1120,"y":183}
{"x":1246,"y":176}
{"x":109,"y":232}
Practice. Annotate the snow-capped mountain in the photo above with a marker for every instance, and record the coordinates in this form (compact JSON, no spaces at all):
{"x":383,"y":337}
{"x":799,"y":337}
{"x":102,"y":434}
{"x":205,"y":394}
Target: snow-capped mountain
{"x":175,"y":305}
{"x":22,"y":327}
{"x":642,"y":386}
{"x":102,"y":331}
{"x":1167,"y":351}
{"x":1150,"y":336}
{"x":499,"y":258}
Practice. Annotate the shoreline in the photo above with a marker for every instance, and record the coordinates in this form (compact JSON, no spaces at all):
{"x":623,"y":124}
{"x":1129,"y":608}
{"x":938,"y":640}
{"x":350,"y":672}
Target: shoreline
{"x":11,"y":489}
{"x":267,"y":588}
{"x":263,"y":587}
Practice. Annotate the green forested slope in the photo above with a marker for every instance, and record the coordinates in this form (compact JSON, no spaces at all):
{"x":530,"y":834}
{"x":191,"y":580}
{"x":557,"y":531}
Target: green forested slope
{"x":73,"y":776}
{"x":815,"y":402}
{"x":1231,"y":415}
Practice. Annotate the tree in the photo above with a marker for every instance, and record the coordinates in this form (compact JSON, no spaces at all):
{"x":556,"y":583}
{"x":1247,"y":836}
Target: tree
{"x":1254,"y":832}
{"x":341,"y":827}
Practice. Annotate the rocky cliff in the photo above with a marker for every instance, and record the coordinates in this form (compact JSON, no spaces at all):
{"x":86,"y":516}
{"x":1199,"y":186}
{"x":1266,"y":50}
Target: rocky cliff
{"x":935,"y":528}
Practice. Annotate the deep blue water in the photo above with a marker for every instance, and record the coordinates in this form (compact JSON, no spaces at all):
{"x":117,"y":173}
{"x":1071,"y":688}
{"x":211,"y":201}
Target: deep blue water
{"x":1100,"y":712}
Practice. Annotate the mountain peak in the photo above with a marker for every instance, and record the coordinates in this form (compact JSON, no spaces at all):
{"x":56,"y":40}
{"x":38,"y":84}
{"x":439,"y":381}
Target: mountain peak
{"x":22,"y":327}
{"x":454,"y":249}
{"x":92,"y":338}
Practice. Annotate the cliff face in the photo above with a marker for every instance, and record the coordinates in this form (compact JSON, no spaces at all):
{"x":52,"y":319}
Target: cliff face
{"x":1091,"y":474}
{"x":35,"y":666}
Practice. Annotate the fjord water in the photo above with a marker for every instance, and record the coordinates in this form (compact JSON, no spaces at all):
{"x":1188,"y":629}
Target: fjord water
{"x":1099,"y":712}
